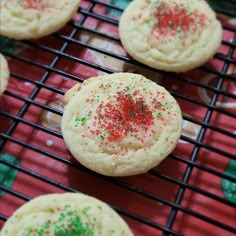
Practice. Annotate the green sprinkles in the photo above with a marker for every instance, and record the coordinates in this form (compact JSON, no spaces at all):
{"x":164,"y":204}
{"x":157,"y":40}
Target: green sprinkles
{"x":79,"y":121}
{"x":168,"y":107}
{"x":127,"y":88}
{"x":159,"y":115}
{"x":180,"y":34}
{"x":97,"y":98}
{"x":85,"y":210}
{"x":67,"y":223}
{"x":51,"y":210}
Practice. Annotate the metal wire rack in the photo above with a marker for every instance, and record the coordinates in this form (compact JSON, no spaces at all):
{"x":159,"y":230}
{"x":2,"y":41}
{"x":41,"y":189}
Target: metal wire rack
{"x":178,"y":197}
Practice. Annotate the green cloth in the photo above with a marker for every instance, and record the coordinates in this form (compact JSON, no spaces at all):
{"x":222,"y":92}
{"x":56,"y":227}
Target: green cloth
{"x":7,"y":174}
{"x":229,"y":187}
{"x":118,"y":3}
{"x":227,"y":7}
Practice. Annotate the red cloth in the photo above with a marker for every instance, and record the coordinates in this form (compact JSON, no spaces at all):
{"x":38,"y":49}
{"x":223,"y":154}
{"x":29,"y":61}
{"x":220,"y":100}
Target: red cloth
{"x":40,"y":163}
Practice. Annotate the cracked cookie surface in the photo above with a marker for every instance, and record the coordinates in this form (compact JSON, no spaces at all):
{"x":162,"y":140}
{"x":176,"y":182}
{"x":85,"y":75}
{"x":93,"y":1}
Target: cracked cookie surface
{"x":176,"y":35}
{"x":120,"y":124}
{"x":73,"y":214}
{"x":32,"y":19}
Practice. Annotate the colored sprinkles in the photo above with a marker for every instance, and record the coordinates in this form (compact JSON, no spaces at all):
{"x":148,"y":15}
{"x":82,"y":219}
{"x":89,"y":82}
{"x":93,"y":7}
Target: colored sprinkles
{"x":124,"y":116}
{"x":169,"y":19}
{"x":134,"y":111}
{"x":34,"y":4}
{"x":67,"y":222}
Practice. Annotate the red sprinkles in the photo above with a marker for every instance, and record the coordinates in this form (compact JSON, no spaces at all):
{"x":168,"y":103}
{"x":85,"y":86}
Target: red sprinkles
{"x":175,"y":20}
{"x":134,"y":111}
{"x":125,"y":116}
{"x":33,"y":3}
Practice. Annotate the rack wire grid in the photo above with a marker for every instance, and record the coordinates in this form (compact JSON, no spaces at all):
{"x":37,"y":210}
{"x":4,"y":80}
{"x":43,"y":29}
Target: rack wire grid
{"x":185,"y":194}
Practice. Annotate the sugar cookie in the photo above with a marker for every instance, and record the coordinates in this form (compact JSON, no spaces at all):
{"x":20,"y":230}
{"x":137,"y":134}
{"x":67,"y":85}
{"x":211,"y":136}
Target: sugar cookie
{"x":176,"y":35}
{"x":68,"y":214}
{"x":4,"y":74}
{"x":71,"y":92}
{"x":30,"y":19}
{"x":121,"y":124}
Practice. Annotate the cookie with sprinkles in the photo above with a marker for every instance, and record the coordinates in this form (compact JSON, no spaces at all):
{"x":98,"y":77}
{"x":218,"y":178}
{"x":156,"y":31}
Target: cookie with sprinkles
{"x":174,"y":35}
{"x":67,"y":214}
{"x":121,"y":124}
{"x":4,"y":74}
{"x":32,"y":19}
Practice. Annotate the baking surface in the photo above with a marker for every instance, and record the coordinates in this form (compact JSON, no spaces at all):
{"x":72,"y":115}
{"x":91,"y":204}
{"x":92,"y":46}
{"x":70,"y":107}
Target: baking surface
{"x":195,"y":185}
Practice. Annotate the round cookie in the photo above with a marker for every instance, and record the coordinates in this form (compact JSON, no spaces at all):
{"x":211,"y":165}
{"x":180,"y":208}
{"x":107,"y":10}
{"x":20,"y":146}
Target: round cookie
{"x":31,"y":19}
{"x":121,"y":124}
{"x":4,"y":74}
{"x":176,"y":35}
{"x":71,"y":214}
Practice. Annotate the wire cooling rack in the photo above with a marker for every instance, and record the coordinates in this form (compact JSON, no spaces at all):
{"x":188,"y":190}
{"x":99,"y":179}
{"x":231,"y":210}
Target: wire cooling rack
{"x":185,"y":194}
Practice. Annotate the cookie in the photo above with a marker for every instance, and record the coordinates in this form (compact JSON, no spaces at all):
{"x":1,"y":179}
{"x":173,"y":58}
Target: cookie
{"x":176,"y":35}
{"x":31,"y":19}
{"x":121,"y":124}
{"x":4,"y":74}
{"x":71,"y":92}
{"x":65,"y":214}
